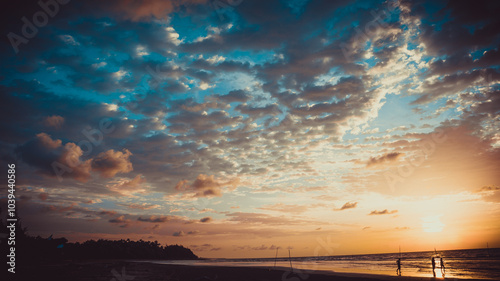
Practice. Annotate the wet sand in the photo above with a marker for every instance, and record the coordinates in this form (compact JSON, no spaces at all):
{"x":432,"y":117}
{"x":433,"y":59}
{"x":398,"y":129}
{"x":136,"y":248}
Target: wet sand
{"x":137,"y":271}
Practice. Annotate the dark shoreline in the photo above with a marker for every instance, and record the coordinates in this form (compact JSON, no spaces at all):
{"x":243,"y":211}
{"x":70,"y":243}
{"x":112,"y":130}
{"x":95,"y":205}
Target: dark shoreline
{"x":121,"y":270}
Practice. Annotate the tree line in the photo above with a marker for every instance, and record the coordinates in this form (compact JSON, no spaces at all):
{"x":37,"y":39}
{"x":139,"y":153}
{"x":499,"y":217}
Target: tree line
{"x":37,"y":249}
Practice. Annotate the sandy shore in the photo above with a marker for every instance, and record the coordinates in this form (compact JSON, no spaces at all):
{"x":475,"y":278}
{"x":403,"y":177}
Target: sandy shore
{"x":137,"y":271}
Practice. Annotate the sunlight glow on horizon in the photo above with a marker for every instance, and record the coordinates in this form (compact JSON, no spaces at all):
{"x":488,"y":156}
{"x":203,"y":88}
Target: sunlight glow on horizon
{"x":432,"y":223}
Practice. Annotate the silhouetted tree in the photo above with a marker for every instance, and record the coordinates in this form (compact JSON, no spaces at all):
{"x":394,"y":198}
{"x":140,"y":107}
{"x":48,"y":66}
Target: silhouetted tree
{"x":38,"y":249}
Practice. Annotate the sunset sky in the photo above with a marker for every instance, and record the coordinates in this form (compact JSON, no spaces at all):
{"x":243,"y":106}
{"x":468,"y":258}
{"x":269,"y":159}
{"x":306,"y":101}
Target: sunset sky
{"x":234,"y":127}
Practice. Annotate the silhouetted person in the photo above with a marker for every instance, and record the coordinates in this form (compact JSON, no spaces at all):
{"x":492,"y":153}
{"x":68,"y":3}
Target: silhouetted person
{"x":443,"y":269}
{"x":398,"y":271}
{"x":433,"y":266}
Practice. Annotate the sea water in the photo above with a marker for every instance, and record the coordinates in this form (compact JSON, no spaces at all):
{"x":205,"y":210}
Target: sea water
{"x":464,"y":264}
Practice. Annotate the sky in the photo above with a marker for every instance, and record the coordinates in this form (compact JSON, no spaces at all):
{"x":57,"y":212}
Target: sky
{"x":236,"y":127}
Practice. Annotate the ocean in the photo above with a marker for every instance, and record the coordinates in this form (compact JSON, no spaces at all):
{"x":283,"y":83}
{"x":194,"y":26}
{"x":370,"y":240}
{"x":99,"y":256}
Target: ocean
{"x":463,"y":264}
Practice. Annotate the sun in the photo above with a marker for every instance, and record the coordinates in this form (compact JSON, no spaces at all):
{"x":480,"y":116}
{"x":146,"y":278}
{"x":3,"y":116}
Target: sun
{"x":432,"y":223}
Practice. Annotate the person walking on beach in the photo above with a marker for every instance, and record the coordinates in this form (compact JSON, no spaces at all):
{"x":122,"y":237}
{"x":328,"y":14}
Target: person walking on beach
{"x":433,"y":267}
{"x":443,"y":269}
{"x":398,"y":271}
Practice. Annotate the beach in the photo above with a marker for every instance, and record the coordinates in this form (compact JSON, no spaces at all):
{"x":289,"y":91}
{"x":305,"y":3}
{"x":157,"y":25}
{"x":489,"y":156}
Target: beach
{"x":130,"y":270}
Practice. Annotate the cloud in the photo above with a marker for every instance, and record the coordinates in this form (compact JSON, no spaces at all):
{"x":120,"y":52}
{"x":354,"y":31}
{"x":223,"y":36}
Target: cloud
{"x":141,"y":206}
{"x":459,"y":39}
{"x":490,"y":193}
{"x":54,"y":121}
{"x":495,"y":197}
{"x":383,"y":212}
{"x":470,"y":27}
{"x":107,"y":213}
{"x":179,"y":233}
{"x":51,"y":158}
{"x":155,"y":219}
{"x":403,"y":228}
{"x":348,"y":205}
{"x":488,"y":188}
{"x":48,"y":142}
{"x":182,"y":233}
{"x":120,"y":219}
{"x":456,"y":83}
{"x":154,"y":227}
{"x":458,"y":62}
{"x":235,"y":96}
{"x":204,"y":247}
{"x":128,"y":186}
{"x":112,"y":162}
{"x":260,"y":248}
{"x":452,"y":158}
{"x":206,"y":219}
{"x":206,"y":186}
{"x":386,"y":158}
{"x":140,"y":11}
{"x":58,"y":209}
{"x":254,"y":248}
{"x":280,"y":207}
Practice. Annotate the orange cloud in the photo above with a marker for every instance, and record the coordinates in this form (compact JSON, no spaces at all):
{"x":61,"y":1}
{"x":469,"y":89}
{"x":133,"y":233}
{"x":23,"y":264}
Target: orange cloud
{"x":145,"y":10}
{"x":48,"y":142}
{"x":206,"y":219}
{"x":384,"y":212}
{"x":348,"y":205}
{"x":79,"y":170}
{"x":155,"y":219}
{"x":120,"y":219}
{"x":490,"y":193}
{"x":389,"y":157}
{"x":54,"y":121}
{"x":127,"y":187}
{"x":58,"y":209}
{"x":206,"y":186}
{"x":111,"y":162}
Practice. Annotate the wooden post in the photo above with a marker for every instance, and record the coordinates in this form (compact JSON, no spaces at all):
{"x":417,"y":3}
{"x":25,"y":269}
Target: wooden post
{"x":276,"y":257}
